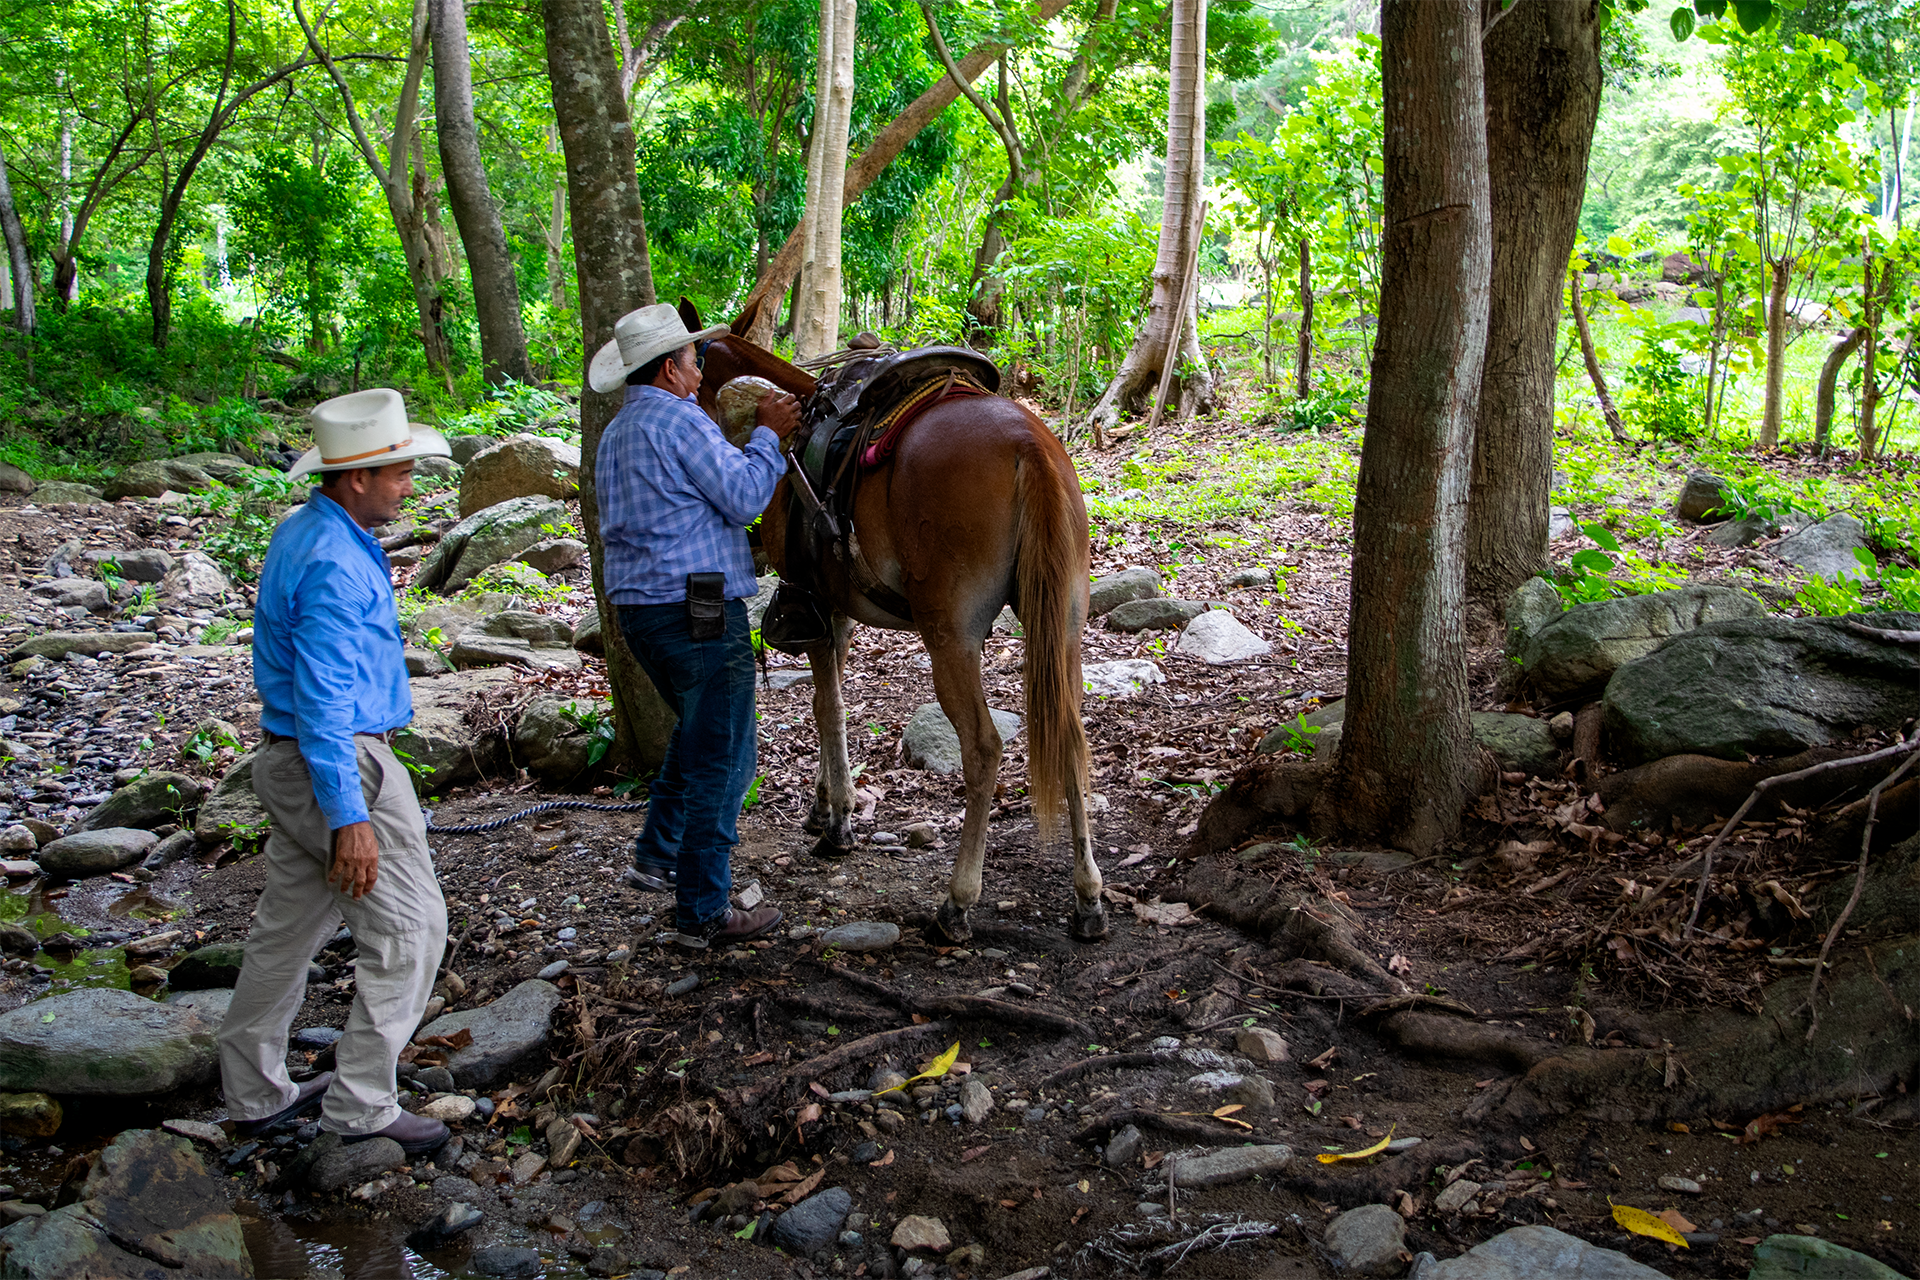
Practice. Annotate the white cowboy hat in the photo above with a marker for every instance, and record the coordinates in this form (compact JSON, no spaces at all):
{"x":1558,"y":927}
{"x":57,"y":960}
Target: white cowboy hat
{"x":365,"y":429}
{"x":638,"y":337}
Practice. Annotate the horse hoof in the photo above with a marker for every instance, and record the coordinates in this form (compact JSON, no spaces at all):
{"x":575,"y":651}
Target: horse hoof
{"x":1089,"y":924}
{"x":818,"y":820}
{"x":824,"y":847}
{"x":952,"y":922}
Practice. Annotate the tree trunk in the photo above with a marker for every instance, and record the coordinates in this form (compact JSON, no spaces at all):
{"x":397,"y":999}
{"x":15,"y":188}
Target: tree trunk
{"x":1781,"y":274}
{"x":556,"y":241}
{"x":1577,"y":297}
{"x":1543,"y":97}
{"x":784,"y":267}
{"x":816,"y":329}
{"x":1829,"y":376}
{"x":1179,"y":216}
{"x":496,"y":292}
{"x":1303,"y":354}
{"x":610,"y":265}
{"x":1407,"y":765}
{"x":17,"y":259}
{"x":159,"y":275}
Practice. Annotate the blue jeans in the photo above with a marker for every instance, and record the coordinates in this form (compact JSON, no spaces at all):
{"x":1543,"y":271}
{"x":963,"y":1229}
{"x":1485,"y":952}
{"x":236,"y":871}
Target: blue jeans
{"x":694,"y":802}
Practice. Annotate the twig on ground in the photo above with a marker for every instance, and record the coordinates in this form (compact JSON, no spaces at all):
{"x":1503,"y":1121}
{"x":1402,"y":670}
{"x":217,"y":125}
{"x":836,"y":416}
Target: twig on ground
{"x":1706,"y":866}
{"x":1191,"y":1130}
{"x":1859,"y":877}
{"x":1108,"y":1062}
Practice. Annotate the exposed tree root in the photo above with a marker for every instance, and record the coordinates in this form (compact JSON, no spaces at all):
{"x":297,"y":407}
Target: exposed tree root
{"x":1351,"y":1186}
{"x":1427,"y":1035}
{"x":1107,"y":1062}
{"x":1187,"y":1130}
{"x":1004,"y":1011}
{"x":1265,"y":792}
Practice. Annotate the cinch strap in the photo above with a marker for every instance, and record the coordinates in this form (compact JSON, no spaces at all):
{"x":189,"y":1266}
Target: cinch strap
{"x":325,"y":461}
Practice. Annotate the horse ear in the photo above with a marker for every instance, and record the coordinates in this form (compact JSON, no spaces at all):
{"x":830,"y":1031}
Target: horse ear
{"x":690,"y":315}
{"x":743,"y":322}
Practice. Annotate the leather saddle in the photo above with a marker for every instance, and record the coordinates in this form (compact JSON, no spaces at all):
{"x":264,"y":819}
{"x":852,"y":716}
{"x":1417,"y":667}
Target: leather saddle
{"x":841,"y":418}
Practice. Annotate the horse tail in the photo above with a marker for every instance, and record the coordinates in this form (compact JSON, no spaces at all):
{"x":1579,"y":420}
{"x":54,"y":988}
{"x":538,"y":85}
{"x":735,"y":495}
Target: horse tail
{"x":1050,"y":584}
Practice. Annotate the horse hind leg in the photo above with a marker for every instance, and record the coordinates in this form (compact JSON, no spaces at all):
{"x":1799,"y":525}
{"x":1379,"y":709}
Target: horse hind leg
{"x":956,"y":681}
{"x":831,"y":817}
{"x":1089,"y":923}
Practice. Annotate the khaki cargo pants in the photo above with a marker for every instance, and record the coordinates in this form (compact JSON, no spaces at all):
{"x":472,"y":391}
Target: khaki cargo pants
{"x":399,"y":929}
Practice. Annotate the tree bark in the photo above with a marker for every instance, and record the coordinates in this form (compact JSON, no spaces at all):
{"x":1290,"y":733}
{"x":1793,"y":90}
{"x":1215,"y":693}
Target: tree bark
{"x":15,"y":235}
{"x":816,"y":329}
{"x":496,"y":291}
{"x":784,"y":267}
{"x":612,"y":278}
{"x":1157,"y":339}
{"x":1406,"y":765}
{"x":1303,"y":352}
{"x":1780,"y":274}
{"x":1829,"y":376}
{"x":159,"y":278}
{"x":1543,"y":98}
{"x":1591,"y":357}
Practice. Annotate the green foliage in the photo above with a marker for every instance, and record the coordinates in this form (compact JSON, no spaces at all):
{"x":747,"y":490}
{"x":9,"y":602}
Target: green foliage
{"x":246,"y":510}
{"x":596,"y":724}
{"x":1606,"y":570}
{"x":517,"y":579}
{"x":1300,"y":736}
{"x":204,"y":744}
{"x":303,"y":227}
{"x":514,"y":408}
{"x":1659,"y":396}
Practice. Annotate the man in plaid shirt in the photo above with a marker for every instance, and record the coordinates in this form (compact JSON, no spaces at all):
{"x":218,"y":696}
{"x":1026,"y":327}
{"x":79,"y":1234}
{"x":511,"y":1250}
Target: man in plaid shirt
{"x":675,"y":498}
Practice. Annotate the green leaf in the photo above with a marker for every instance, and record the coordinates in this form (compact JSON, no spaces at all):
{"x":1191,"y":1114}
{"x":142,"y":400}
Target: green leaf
{"x":1620,"y":246}
{"x":1752,"y":14}
{"x":1602,"y":536}
{"x":1682,"y":23}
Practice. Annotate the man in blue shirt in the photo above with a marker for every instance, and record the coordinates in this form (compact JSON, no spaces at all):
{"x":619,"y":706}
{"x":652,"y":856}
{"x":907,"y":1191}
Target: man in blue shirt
{"x":348,"y":840}
{"x":675,"y":498}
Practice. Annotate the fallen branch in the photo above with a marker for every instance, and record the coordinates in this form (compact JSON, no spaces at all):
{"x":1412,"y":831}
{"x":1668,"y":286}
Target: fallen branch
{"x":875,"y":1045}
{"x":966,"y":1006}
{"x":1110,"y":1062}
{"x":1859,"y":876}
{"x":1191,"y":1130}
{"x":1891,"y":637}
{"x":1706,"y":868}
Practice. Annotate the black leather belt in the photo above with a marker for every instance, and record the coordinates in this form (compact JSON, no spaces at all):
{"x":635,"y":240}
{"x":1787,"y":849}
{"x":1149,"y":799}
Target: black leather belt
{"x":385,"y":736}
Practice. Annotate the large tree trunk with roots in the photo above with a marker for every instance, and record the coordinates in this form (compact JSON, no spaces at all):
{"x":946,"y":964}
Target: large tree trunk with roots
{"x":496,"y":293}
{"x":1543,"y":97}
{"x":763,"y":302}
{"x":1406,"y":765}
{"x":816,"y":326}
{"x":610,"y":265}
{"x":1157,"y":340}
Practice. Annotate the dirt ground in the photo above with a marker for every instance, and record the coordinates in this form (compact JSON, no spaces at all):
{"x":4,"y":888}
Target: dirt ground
{"x":1028,"y":1183}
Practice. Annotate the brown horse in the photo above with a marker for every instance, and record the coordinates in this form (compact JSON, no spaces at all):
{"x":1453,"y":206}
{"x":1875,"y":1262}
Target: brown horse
{"x":979,"y":507}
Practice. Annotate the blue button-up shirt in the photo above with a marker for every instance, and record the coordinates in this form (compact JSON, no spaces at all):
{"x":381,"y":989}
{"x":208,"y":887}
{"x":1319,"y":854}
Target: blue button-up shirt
{"x":327,"y":655}
{"x":675,"y":498}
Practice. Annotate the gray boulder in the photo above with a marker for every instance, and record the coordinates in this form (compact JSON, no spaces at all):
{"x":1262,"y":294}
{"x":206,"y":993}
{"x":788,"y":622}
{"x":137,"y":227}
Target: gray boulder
{"x":1575,"y":653}
{"x":436,"y":469}
{"x":1741,"y":533}
{"x":504,"y":1032}
{"x":147,"y":801}
{"x":586,"y":633}
{"x":1762,"y":686}
{"x":449,"y":619}
{"x":156,"y":479}
{"x":1530,"y":1253}
{"x":465,"y":448}
{"x":551,"y":555}
{"x":1811,"y":1258}
{"x":454,"y":737}
{"x":342,"y":1165}
{"x":425,"y":662}
{"x":1108,"y":593}
{"x":211,"y":968}
{"x":232,"y":809}
{"x":95,"y":853}
{"x":551,"y":743}
{"x":1121,"y":678}
{"x":1324,"y":717}
{"x":195,"y":576}
{"x":1533,"y":604}
{"x":14,"y":480}
{"x":1217,"y":638}
{"x":101,"y":1040}
{"x":1828,"y":549}
{"x":519,"y":467}
{"x":65,"y":491}
{"x":813,"y":1224}
{"x":69,"y":593}
{"x":1370,"y":1240}
{"x":221,"y":466}
{"x":931,"y":742}
{"x":1702,"y":498}
{"x":58,"y":644}
{"x":475,"y":649}
{"x":487,"y":538}
{"x":1156,"y":613}
{"x":762,"y":597}
{"x":145,"y":564}
{"x":148,"y":1209}
{"x":1517,"y":743}
{"x":1222,"y":1168}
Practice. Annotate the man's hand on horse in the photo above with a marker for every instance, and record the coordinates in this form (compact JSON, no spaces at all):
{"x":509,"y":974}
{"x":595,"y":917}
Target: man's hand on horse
{"x":356,"y":860}
{"x":780,"y":413}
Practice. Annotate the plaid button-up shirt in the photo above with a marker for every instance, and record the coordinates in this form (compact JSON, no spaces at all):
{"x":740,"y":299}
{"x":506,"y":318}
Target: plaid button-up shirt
{"x":675,"y":498}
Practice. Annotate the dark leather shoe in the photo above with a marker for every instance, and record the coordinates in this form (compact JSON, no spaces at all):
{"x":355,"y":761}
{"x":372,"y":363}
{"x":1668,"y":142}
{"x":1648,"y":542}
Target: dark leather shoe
{"x":308,"y":1097}
{"x":733,"y":927}
{"x":416,"y":1135}
{"x":651,"y":877}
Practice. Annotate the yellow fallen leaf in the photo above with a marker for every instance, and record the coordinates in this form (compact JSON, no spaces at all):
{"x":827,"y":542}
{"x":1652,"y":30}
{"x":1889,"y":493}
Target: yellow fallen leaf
{"x":1221,"y":1113}
{"x":1374,"y":1150}
{"x":935,"y":1069}
{"x":1642,"y":1223}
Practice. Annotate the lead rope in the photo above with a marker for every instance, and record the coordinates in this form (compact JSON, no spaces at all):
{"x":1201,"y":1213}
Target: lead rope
{"x":476,"y":828}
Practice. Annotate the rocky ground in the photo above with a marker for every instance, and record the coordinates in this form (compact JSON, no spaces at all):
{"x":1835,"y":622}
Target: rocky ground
{"x":1151,"y":1104}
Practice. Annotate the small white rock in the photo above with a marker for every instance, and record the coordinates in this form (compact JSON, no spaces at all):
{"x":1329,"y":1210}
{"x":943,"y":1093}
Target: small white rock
{"x":451,"y":1109}
{"x":1672,"y":1182}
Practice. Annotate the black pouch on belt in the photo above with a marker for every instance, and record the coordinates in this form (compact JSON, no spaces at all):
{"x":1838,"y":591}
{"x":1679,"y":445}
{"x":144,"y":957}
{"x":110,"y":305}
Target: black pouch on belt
{"x":706,"y":606}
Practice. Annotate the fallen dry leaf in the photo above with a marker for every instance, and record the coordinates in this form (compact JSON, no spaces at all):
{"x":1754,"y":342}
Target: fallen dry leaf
{"x":1325,"y":1060}
{"x":804,"y":1188}
{"x":883,"y":1161}
{"x":1399,"y":964}
{"x":1674,"y":1219}
{"x":760,"y":1059}
{"x":974,"y":1153}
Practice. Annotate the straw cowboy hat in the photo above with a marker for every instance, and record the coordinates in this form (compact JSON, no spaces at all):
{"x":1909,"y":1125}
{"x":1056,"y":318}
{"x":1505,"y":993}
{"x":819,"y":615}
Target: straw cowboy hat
{"x":638,"y":337}
{"x":365,"y":429}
